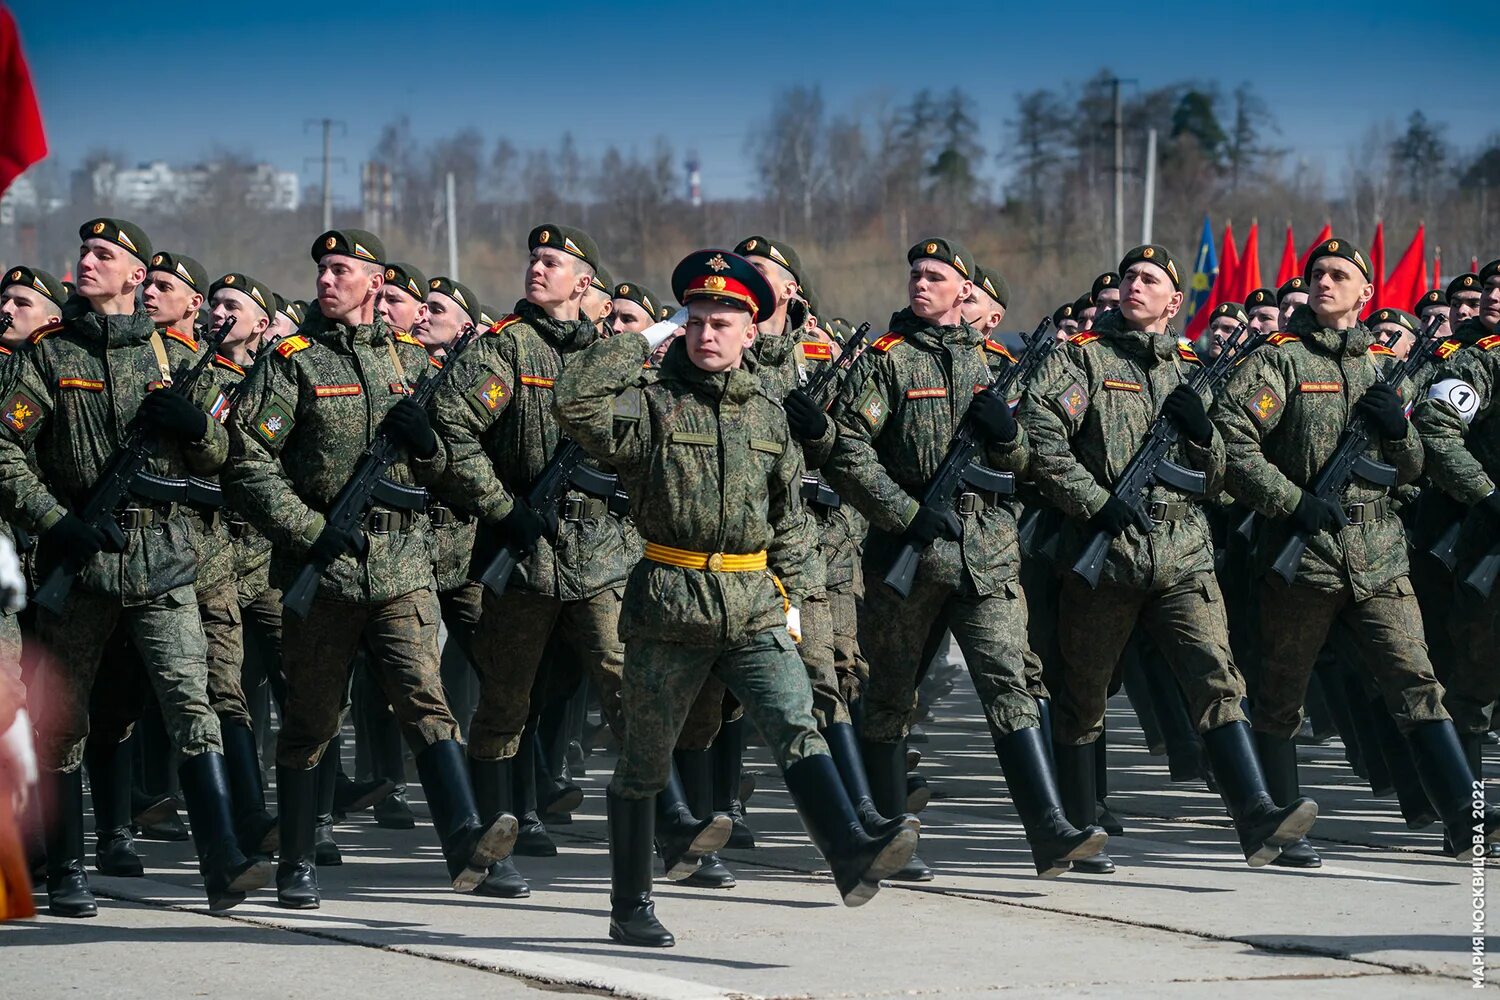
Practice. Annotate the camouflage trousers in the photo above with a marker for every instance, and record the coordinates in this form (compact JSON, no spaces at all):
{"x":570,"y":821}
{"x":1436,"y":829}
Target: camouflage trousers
{"x":899,"y":637}
{"x":849,"y":665}
{"x":1187,"y":623}
{"x":400,"y":640}
{"x":1296,"y":623}
{"x":220,"y":612}
{"x":10,"y":647}
{"x":168,"y":637}
{"x":663,"y":679}
{"x":510,"y":646}
{"x":1462,"y":632}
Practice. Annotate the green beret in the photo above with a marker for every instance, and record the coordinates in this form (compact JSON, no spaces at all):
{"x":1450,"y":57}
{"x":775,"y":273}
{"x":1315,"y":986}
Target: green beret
{"x":1435,"y":297}
{"x":489,"y":316}
{"x":1465,"y":282}
{"x":1084,"y":301}
{"x":1293,"y":284}
{"x":841,"y":327}
{"x":259,"y":292}
{"x":1337,"y":248}
{"x":568,"y":240}
{"x":118,"y":231}
{"x":37,"y":280}
{"x":1489,"y":271}
{"x":723,"y":276}
{"x":1108,"y":279}
{"x":772,"y":250}
{"x":1233,"y":310}
{"x":665,"y":314}
{"x":640,"y":295}
{"x":407,"y":278}
{"x":814,"y":304}
{"x":356,"y":243}
{"x":458,"y":292}
{"x":1062,"y":312}
{"x":1260,"y":297}
{"x":602,"y":281}
{"x":1157,"y":254}
{"x":993,"y":284}
{"x":295,"y":310}
{"x":950,"y":252}
{"x":1400,"y":317}
{"x":180,"y":266}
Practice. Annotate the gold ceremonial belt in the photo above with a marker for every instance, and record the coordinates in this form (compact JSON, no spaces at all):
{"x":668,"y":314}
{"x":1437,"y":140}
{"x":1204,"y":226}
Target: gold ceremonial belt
{"x":719,"y":562}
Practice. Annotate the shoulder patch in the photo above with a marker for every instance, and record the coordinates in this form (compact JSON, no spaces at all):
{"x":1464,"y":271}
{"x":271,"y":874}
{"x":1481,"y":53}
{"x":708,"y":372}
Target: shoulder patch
{"x":1073,"y":399}
{"x":1264,"y":403}
{"x":1485,"y":343}
{"x":291,"y":345}
{"x":407,"y":338}
{"x":1000,"y":349}
{"x":1446,"y":348}
{"x":46,"y":330}
{"x":1382,"y":350}
{"x":1087,"y":337}
{"x":627,"y":405}
{"x":1277,"y":339}
{"x":180,"y":337}
{"x":887,"y":342}
{"x":20,"y":411}
{"x":224,"y":362}
{"x":816,"y":350}
{"x":491,"y":393}
{"x":504,"y":321}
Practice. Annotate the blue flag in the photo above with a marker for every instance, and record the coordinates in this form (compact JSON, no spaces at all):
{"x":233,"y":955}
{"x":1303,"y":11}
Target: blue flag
{"x":1205,"y":270}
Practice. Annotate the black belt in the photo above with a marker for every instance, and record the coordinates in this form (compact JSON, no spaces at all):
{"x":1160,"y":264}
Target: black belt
{"x":442,"y":516}
{"x":1162,"y":511}
{"x":384,"y":522}
{"x":136,"y":518}
{"x":976,"y":501}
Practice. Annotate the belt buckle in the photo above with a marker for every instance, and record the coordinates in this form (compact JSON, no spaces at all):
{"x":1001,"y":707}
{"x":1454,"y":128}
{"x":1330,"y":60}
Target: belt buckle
{"x":716,"y":562}
{"x":440,"y":516}
{"x":1355,"y":512}
{"x":574,"y":509}
{"x":1156,"y":511}
{"x":968,"y":503}
{"x":131,"y":519}
{"x":380,"y":522}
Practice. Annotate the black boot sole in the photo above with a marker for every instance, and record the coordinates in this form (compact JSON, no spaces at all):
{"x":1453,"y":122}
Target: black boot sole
{"x":258,"y":874}
{"x":1291,"y":830}
{"x":917,"y":799}
{"x":893,"y":857}
{"x":1087,"y":848}
{"x":496,"y":843}
{"x":371,"y":798}
{"x":619,"y":935}
{"x":158,"y":812}
{"x":566,"y":801}
{"x":711,"y":838}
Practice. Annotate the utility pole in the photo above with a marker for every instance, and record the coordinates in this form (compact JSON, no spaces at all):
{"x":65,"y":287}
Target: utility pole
{"x":328,"y":159}
{"x":452,"y":231}
{"x":1148,"y":210}
{"x":1119,"y":128}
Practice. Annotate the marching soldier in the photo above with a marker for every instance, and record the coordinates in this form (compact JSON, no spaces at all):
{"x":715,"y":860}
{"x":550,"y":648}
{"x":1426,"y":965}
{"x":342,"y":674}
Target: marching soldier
{"x":894,"y":421}
{"x":1087,"y":414}
{"x":1291,"y":294}
{"x":1226,"y":320}
{"x":1105,"y":293}
{"x":635,"y":307}
{"x":715,"y":484}
{"x":32,"y":299}
{"x":1262,"y":313}
{"x":308,"y":414}
{"x":403,"y":298}
{"x":1433,"y":302}
{"x":1281,"y":416}
{"x":1396,"y":330}
{"x":1463,"y":298}
{"x":598,"y":302}
{"x":61,"y":422}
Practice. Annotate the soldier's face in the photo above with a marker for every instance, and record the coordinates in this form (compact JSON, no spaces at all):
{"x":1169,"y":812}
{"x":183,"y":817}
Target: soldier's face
{"x":717,"y":334}
{"x":630,"y":317}
{"x":397,"y":307}
{"x":1395,"y":336}
{"x":1220,"y":330}
{"x":281,"y":326}
{"x":1085,"y":318}
{"x":1489,"y":303}
{"x":1147,"y":295}
{"x":29,"y":311}
{"x":1264,"y":319}
{"x":554,"y":277}
{"x":445,"y":322}
{"x":346,"y":284}
{"x":168,"y":299}
{"x":250,"y":320}
{"x":597,"y":306}
{"x":1108,"y":298}
{"x":1427,"y":315}
{"x":1462,"y":305}
{"x":778,"y":277}
{"x":980,"y":311}
{"x":1337,"y":288}
{"x":1292,"y":301}
{"x":106,"y":270}
{"x":936,"y":290}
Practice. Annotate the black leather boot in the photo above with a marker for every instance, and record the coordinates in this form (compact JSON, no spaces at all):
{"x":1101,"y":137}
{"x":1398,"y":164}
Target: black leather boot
{"x":254,"y":827}
{"x":350,"y":796}
{"x":227,"y":874}
{"x":694,"y":767}
{"x":1473,"y":745}
{"x":885,"y":769}
{"x":532,"y":840}
{"x":1056,"y":844}
{"x":68,"y":893}
{"x":682,"y":839}
{"x":732,"y":784}
{"x":325,"y":848}
{"x":632,"y":915}
{"x":388,"y":764}
{"x":1367,"y":732}
{"x":1078,"y":791}
{"x":859,"y":861}
{"x":1264,"y":829}
{"x":470,"y":846}
{"x":1410,"y":796}
{"x":493,"y":790}
{"x":1278,"y":758}
{"x":1446,"y":775}
{"x":156,"y":808}
{"x":843,"y":746}
{"x":297,"y":811}
{"x":557,"y":794}
{"x":109,"y":767}
{"x":1103,"y":816}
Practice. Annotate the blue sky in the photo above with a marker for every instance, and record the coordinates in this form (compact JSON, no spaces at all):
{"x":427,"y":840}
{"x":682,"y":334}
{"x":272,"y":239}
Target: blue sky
{"x":171,"y":81}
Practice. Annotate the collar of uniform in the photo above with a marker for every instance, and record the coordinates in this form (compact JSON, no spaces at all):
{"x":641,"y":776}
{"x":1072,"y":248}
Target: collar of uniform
{"x":1353,"y":341}
{"x":911,"y":326}
{"x":1149,"y":347}
{"x":369,"y":334}
{"x":732,"y":386}
{"x":567,"y":335}
{"x":114,"y":331}
{"x":1470,"y":331}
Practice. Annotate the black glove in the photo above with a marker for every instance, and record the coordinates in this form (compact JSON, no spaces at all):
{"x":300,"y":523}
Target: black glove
{"x":72,"y":541}
{"x":523,"y":526}
{"x":993,"y":417}
{"x":804,"y":417}
{"x":1113,"y":518}
{"x":332,"y":543}
{"x":931,"y":524}
{"x":1185,"y":409}
{"x":409,"y":424}
{"x":173,"y":413}
{"x":1314,"y":514}
{"x":1381,"y":405}
{"x":1491,"y":506}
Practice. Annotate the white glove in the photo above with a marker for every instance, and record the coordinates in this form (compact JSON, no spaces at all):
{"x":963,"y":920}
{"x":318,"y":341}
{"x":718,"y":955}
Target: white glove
{"x":18,"y":760}
{"x":12,"y":580}
{"x":794,"y":623}
{"x":658,"y":333}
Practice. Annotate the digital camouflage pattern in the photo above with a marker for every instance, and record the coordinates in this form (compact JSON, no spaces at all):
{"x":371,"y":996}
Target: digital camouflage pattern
{"x":219,"y":610}
{"x":307,"y":416}
{"x":454,"y":544}
{"x":1281,"y":415}
{"x":217,"y":555}
{"x":65,"y":405}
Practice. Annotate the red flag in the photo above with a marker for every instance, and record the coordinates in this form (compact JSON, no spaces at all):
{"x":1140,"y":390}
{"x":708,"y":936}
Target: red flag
{"x":1377,"y":271}
{"x":1437,"y":267}
{"x":1229,"y":271}
{"x":1326,"y":233}
{"x":1473,"y":265}
{"x":22,"y":141}
{"x":1249,"y":265}
{"x":1408,"y":279}
{"x":1287,"y":269}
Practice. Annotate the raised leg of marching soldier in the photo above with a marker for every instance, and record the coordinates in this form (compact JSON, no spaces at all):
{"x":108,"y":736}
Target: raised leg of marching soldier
{"x":680,"y":825}
{"x":262,"y":681}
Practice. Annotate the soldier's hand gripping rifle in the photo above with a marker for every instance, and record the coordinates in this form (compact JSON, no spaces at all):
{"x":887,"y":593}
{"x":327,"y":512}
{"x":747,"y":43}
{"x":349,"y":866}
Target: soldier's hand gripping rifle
{"x":1150,"y":464}
{"x":121,"y":470}
{"x":368,"y":484}
{"x":958,"y":466}
{"x":1349,"y":460}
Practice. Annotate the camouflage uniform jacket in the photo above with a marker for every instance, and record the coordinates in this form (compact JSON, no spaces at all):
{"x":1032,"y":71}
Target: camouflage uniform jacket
{"x":495,"y":419}
{"x":710,"y":467}
{"x":1088,"y":412}
{"x":70,"y":399}
{"x":1282,"y":415}
{"x":218,"y":551}
{"x":896,"y":416}
{"x":305,"y":419}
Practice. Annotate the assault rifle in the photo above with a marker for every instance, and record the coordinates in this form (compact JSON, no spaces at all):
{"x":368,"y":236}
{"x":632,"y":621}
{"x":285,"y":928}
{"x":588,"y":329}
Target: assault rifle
{"x":544,"y":497}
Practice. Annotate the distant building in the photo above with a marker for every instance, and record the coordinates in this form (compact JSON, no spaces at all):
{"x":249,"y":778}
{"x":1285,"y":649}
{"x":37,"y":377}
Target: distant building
{"x":159,"y":185}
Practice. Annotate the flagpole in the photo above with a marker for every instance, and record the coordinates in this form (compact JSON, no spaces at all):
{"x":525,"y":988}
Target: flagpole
{"x":1148,"y":212}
